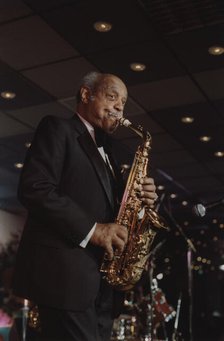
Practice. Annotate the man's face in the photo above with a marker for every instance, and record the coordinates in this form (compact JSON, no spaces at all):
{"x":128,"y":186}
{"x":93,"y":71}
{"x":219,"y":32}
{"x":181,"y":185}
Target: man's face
{"x":105,"y":106}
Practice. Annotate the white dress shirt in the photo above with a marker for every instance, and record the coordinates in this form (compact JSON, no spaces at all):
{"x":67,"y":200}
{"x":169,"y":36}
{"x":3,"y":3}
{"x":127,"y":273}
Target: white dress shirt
{"x":90,"y":129}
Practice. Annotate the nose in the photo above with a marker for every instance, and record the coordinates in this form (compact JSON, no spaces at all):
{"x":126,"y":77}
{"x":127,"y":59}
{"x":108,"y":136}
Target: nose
{"x":119,"y":106}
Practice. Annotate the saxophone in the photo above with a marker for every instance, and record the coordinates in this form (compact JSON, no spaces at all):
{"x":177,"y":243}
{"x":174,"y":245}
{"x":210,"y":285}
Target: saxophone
{"x":142,"y":222}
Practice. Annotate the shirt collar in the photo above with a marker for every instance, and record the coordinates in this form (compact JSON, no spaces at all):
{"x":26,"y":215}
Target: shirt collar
{"x":88,"y":126}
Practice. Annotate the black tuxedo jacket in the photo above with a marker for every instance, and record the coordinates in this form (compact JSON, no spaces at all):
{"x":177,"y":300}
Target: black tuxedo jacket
{"x":66,"y":188}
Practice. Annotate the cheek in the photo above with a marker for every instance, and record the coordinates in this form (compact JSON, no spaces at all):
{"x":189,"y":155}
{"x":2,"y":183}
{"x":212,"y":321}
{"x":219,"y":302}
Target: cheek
{"x":98,"y":112}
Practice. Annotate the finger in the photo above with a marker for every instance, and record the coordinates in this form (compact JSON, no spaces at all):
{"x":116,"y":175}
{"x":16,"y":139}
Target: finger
{"x":118,"y":244}
{"x":123,"y":234}
{"x":147,"y":181}
{"x":148,"y":187}
{"x":148,"y":202}
{"x":148,"y":195}
{"x":109,"y":251}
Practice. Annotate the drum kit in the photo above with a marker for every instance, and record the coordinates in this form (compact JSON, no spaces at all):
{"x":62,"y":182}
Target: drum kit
{"x":145,"y":318}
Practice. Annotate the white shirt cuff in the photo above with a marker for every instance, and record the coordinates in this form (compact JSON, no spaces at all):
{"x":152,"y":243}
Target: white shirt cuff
{"x":85,"y":241}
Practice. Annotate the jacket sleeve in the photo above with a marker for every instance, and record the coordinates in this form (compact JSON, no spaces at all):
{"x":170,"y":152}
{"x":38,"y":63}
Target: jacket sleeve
{"x":39,"y":187}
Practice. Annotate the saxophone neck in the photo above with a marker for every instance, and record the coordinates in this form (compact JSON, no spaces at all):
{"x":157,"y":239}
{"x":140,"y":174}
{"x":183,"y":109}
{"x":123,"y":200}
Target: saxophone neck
{"x":138,"y":130}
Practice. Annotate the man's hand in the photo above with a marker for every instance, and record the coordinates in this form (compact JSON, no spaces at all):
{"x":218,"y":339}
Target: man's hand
{"x":111,"y":237}
{"x":148,"y":191}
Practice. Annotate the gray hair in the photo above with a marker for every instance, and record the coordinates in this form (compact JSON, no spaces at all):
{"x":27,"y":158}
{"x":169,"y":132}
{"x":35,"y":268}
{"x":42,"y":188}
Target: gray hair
{"x":90,"y":80}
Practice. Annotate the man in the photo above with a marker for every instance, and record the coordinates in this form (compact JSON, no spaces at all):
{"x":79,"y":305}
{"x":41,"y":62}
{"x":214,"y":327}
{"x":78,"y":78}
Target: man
{"x":71,"y":197}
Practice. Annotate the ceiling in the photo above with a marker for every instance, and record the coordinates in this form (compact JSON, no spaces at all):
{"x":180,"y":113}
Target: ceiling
{"x":47,"y":46}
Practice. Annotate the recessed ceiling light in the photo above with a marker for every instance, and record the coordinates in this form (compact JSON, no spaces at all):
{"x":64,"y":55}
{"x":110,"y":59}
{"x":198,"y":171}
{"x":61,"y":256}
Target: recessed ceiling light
{"x":187,"y":119}
{"x":18,"y":165}
{"x":219,"y":154}
{"x":205,"y":138}
{"x":216,"y":50}
{"x":8,"y":94}
{"x":28,"y":144}
{"x":160,"y":187}
{"x":137,"y":67}
{"x":173,"y":195}
{"x":102,"y":26}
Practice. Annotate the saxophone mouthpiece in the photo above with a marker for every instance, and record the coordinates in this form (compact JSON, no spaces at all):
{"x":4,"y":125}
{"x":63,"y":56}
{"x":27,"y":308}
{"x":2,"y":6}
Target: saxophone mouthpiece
{"x":125,"y":122}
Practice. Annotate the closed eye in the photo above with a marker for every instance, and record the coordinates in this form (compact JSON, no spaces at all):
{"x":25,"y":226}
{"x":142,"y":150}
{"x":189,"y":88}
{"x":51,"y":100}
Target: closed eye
{"x":111,"y":97}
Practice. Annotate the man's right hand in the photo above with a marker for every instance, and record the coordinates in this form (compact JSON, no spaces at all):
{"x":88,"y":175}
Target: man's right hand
{"x":111,"y":237}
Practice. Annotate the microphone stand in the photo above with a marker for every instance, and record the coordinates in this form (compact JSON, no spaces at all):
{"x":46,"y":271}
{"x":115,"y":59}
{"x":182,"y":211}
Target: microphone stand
{"x":151,"y":272}
{"x":174,"y":335}
{"x":190,"y":248}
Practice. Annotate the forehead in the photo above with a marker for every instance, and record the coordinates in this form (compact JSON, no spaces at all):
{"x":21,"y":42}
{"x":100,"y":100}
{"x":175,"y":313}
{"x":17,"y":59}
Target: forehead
{"x":113,"y":84}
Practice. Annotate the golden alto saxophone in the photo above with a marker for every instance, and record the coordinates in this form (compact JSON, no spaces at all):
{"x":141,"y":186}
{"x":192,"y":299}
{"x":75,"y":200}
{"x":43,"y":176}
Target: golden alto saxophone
{"x":125,"y":270}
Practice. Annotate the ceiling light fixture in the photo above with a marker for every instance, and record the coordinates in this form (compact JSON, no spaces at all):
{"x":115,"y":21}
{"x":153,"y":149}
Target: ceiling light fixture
{"x":184,"y":203}
{"x":173,"y":195}
{"x":205,"y":138}
{"x":18,"y":165}
{"x":8,"y":94}
{"x":187,"y":119}
{"x":160,"y":187}
{"x":219,"y":153}
{"x":102,"y":26}
{"x":216,"y":50}
{"x":27,"y":144}
{"x":137,"y":67}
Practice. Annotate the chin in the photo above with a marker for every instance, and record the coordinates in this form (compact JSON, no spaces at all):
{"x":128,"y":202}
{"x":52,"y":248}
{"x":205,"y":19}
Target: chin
{"x":112,"y":129}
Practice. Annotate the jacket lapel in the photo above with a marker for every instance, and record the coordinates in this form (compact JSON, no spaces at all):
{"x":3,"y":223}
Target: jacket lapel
{"x":89,"y":147}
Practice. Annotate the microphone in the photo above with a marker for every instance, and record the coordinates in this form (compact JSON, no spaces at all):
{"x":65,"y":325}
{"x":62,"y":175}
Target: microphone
{"x":200,"y":209}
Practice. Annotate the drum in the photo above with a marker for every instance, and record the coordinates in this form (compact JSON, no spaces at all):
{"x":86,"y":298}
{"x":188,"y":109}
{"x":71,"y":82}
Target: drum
{"x":125,"y":328}
{"x":163,"y":311}
{"x":152,"y":313}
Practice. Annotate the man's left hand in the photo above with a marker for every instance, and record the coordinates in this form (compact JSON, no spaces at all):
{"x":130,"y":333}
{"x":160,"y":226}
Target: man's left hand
{"x":148,"y":191}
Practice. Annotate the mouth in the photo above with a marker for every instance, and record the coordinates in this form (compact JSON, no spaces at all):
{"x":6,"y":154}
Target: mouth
{"x":116,"y":114}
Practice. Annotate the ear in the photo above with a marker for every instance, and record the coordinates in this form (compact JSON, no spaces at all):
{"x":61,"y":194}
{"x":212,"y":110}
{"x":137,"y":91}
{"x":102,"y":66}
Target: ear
{"x":85,"y":94}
